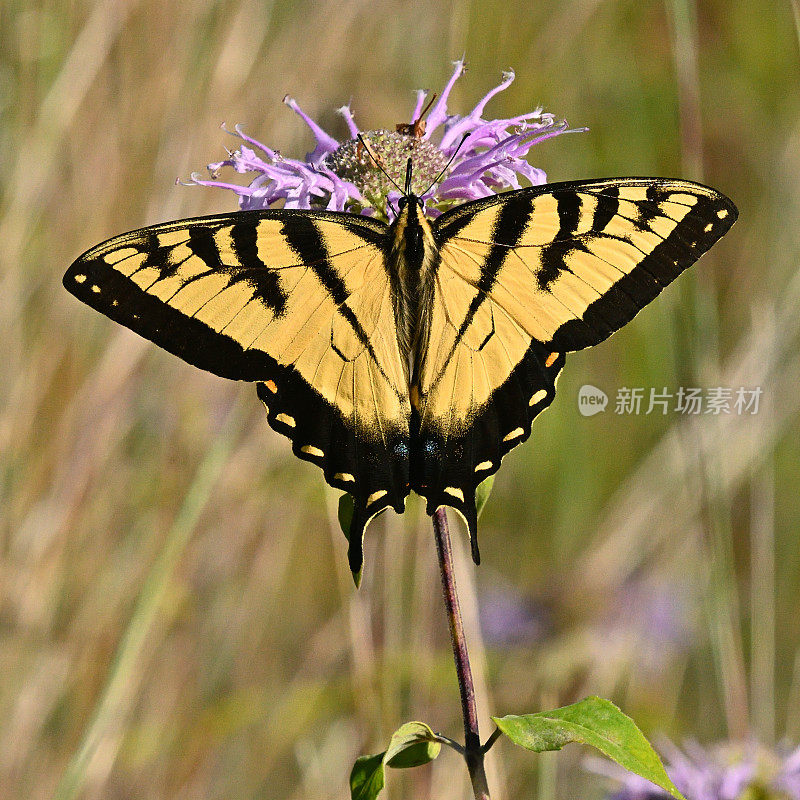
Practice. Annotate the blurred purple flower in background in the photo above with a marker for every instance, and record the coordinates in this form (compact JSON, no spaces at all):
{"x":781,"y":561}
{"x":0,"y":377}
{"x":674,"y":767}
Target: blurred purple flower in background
{"x":646,"y":621}
{"x":723,"y":772}
{"x":344,"y":177}
{"x":788,"y":777}
{"x":507,"y":618}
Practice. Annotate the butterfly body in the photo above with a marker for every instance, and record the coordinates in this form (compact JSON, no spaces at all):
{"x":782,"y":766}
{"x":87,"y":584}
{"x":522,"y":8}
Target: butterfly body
{"x":410,"y":356}
{"x":411,"y":265}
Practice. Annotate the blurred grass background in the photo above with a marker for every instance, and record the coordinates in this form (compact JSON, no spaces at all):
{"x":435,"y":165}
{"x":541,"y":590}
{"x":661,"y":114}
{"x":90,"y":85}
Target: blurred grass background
{"x":176,"y":615}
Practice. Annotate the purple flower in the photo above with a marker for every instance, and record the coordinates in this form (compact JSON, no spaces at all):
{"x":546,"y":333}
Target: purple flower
{"x":344,"y":176}
{"x":723,"y":772}
{"x":508,"y":618}
{"x":646,"y":623}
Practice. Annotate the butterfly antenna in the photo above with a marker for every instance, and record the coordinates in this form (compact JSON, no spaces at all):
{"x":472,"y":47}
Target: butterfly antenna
{"x":447,"y":166}
{"x":377,"y":161}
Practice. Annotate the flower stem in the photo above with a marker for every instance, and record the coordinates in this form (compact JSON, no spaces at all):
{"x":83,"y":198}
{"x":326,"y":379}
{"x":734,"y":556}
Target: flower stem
{"x":473,"y":752}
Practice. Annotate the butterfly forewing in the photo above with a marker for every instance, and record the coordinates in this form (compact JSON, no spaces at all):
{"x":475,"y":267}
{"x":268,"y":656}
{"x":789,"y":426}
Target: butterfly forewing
{"x":524,"y":277}
{"x":298,"y":301}
{"x":582,"y":258}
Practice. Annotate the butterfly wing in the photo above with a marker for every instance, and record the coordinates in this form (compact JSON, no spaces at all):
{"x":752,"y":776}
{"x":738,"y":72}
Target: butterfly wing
{"x":523,"y":278}
{"x":296,"y":300}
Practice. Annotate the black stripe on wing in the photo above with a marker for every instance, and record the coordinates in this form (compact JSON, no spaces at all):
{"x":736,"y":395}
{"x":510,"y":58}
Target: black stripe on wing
{"x":265,"y":283}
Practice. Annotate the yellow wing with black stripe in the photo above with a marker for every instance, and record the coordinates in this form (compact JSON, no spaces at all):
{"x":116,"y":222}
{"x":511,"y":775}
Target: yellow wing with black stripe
{"x":299,"y":301}
{"x":522,"y":278}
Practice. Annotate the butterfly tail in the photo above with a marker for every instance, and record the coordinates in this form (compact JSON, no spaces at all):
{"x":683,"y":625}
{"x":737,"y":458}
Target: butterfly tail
{"x":363,"y":513}
{"x":472,"y":525}
{"x":355,"y":538}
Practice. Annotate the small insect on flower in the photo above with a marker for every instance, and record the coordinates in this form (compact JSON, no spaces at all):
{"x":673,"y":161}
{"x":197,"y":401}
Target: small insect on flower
{"x":404,"y":339}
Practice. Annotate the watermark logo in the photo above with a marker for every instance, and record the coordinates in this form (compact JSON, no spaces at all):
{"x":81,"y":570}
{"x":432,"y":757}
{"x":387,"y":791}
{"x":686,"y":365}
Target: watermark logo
{"x":689,"y":401}
{"x":591,"y":400}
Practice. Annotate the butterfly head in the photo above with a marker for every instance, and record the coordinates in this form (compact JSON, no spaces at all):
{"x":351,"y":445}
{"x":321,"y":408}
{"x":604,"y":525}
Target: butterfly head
{"x":409,"y":199}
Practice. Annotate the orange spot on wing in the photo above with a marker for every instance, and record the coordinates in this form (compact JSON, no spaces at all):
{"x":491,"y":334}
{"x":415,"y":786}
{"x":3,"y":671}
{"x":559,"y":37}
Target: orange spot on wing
{"x":551,"y":359}
{"x":272,"y":386}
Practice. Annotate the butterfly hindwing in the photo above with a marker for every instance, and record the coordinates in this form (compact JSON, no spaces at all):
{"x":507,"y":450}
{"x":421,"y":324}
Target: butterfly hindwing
{"x":452,"y":457}
{"x":524,"y":277}
{"x":298,"y":301}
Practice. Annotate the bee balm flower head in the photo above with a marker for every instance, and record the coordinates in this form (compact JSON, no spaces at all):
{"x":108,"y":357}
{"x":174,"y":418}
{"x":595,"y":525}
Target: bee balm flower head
{"x":489,"y":158}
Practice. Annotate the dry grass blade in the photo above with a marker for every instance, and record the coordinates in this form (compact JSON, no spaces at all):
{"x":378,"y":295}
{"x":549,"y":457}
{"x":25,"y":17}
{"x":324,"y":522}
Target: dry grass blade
{"x":100,"y":743}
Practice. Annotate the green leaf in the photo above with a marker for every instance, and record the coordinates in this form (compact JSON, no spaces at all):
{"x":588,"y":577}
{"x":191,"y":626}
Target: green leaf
{"x":482,"y":494}
{"x":345,"y":514}
{"x":411,"y":745}
{"x":346,"y":505}
{"x":366,"y":779}
{"x":596,"y":722}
